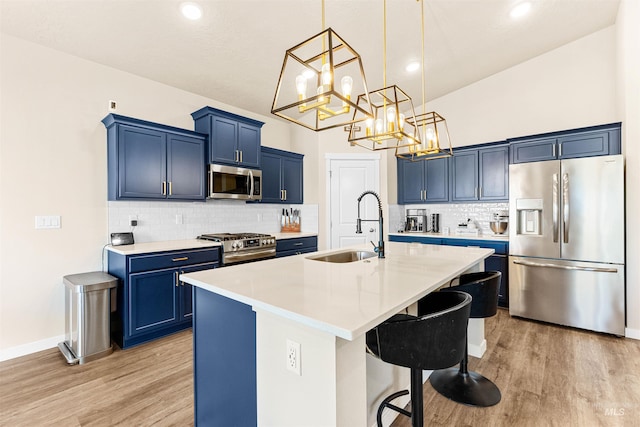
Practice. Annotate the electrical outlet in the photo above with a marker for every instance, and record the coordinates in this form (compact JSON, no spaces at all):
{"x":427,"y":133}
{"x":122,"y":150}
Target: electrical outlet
{"x":293,"y":357}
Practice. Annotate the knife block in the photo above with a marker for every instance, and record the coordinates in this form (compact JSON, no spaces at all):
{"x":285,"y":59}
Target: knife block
{"x":290,"y":228}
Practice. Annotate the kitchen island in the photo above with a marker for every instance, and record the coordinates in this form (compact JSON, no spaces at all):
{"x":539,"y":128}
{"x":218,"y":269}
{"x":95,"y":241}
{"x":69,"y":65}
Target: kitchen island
{"x":245,"y":315}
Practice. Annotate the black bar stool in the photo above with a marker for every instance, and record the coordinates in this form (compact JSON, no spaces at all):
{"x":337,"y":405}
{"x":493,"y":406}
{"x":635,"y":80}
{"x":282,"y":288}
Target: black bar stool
{"x":461,"y":385}
{"x":434,"y":340}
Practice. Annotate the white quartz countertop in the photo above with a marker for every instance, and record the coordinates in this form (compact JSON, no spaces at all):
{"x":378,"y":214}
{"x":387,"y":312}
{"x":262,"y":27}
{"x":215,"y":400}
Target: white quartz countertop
{"x":284,"y":236}
{"x":168,"y":245}
{"x":347,"y":299}
{"x":496,"y":237}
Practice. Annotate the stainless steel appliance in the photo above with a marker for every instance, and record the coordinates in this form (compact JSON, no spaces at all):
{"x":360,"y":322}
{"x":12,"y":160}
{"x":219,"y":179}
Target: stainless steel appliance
{"x":566,"y":242}
{"x":230,"y":182}
{"x":243,"y":247}
{"x":416,"y":220}
{"x":434,"y":219}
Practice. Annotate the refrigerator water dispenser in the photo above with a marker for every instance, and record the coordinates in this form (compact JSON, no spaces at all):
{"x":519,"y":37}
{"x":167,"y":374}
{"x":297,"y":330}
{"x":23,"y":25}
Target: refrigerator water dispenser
{"x":529,"y":216}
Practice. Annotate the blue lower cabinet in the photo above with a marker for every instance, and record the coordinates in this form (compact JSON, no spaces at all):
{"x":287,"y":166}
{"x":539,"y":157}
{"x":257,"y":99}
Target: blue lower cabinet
{"x":296,"y":246}
{"x":224,"y":361}
{"x":496,"y":262}
{"x":151,"y":300}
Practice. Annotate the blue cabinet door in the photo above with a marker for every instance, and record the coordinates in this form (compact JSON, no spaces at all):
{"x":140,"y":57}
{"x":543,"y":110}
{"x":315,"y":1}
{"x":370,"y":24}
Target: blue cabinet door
{"x":436,"y":174}
{"x":464,"y":176}
{"x":536,"y":150}
{"x":499,"y":263}
{"x":223,"y":140}
{"x":249,"y":145}
{"x":292,"y":179}
{"x":411,"y":182}
{"x":141,"y":166}
{"x":585,"y":144}
{"x":185,"y":297}
{"x":152,"y":301}
{"x":271,"y":179}
{"x":493,"y":173}
{"x":282,"y":174}
{"x":185,"y":168}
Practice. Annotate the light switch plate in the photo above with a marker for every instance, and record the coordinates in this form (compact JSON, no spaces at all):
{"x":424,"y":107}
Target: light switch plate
{"x":48,"y":221}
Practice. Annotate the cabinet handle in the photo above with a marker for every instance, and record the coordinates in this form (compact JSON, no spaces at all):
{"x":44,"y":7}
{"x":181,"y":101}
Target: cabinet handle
{"x":553,"y":152}
{"x":240,"y":156}
{"x":175,"y":276}
{"x":164,"y":188}
{"x":475,"y":193}
{"x":480,"y":191}
{"x":281,"y":194}
{"x":298,"y":244}
{"x":560,"y":150}
{"x":169,"y":187}
{"x":285,"y":194}
{"x":184,"y":258}
{"x":235,"y":156}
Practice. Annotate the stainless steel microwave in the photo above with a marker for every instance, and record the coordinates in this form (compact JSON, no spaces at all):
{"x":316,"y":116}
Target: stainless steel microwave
{"x":230,"y":182}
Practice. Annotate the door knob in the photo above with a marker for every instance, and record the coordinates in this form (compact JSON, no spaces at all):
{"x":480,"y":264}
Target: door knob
{"x":371,"y":230}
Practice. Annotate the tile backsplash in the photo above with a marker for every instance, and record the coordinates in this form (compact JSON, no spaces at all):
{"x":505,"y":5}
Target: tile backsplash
{"x":450,"y":214}
{"x":159,"y":221}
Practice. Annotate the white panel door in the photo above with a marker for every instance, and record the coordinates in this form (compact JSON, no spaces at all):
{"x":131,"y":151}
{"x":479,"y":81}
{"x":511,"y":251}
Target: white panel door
{"x":349,"y":178}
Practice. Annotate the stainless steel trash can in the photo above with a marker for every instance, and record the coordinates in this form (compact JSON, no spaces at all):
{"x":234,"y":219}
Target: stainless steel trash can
{"x":89,"y":298}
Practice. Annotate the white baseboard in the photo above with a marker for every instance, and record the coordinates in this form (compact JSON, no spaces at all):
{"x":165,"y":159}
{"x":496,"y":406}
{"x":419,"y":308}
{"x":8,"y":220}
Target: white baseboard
{"x":632,"y":333}
{"x":33,"y":347}
{"x":476,"y":350}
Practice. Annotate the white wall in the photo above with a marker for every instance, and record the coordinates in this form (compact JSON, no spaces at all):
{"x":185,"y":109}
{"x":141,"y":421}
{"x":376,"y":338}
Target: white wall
{"x":53,"y":162}
{"x":628,"y":44}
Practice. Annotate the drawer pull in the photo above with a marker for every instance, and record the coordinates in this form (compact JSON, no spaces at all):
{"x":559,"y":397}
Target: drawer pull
{"x":184,"y":258}
{"x":298,"y":244}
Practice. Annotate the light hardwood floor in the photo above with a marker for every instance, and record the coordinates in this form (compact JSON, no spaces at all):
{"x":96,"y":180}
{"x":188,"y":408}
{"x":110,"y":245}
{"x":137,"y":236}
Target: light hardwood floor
{"x":548,"y":376}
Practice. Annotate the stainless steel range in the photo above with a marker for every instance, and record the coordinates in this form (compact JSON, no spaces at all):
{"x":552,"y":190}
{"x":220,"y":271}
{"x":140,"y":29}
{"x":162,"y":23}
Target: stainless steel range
{"x":243,"y":247}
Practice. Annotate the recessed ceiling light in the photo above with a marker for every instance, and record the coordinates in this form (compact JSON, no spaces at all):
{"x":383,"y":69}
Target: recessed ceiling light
{"x":520,"y":10}
{"x":412,"y":66}
{"x":191,"y":10}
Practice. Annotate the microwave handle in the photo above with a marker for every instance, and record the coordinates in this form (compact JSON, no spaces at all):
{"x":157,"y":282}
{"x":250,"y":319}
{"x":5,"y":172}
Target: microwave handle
{"x":210,"y":182}
{"x":252,"y":184}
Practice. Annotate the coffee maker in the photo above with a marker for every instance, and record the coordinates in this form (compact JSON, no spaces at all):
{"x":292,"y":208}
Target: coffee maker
{"x":416,"y":220}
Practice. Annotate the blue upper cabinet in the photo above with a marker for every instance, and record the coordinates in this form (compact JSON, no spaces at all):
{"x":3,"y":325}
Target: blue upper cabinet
{"x":153,"y":161}
{"x":282,"y":174}
{"x":585,"y":142}
{"x":425,"y":181}
{"x":480,"y":174}
{"x":464,"y":176}
{"x":233,"y":140}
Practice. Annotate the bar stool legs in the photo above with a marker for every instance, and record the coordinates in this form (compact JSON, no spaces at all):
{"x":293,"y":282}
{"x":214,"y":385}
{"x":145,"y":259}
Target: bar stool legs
{"x":462,"y":386}
{"x":417,"y":411}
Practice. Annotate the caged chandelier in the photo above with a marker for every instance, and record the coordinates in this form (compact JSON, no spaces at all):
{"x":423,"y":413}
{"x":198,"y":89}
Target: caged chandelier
{"x":434,"y":129}
{"x":317,"y":79}
{"x":388,"y":128}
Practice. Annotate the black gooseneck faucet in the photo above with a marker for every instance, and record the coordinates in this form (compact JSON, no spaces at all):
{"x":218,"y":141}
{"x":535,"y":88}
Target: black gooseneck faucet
{"x":380,"y":248}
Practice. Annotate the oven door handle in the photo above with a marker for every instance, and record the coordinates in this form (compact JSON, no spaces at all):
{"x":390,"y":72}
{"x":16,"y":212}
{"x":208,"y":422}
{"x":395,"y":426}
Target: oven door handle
{"x":247,"y":255}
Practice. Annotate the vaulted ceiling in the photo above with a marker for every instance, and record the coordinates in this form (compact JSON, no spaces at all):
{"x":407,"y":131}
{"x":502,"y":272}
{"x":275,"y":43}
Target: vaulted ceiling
{"x":235,"y":52}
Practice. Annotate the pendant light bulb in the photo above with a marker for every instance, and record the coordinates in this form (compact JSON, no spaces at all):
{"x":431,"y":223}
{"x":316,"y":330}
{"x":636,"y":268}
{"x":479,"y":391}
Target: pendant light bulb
{"x":326,"y":74}
{"x":391,"y":118}
{"x":301,"y":86}
{"x":347,"y":86}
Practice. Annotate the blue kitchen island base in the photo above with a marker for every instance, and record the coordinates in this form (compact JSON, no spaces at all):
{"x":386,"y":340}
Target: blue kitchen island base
{"x":224,"y":359}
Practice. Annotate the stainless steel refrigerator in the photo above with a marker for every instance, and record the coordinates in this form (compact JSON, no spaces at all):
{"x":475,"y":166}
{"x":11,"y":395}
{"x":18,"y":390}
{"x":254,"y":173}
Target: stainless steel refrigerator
{"x":566,"y":242}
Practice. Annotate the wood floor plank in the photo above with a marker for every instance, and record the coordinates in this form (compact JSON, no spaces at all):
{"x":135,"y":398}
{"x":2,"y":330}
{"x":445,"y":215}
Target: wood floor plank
{"x":548,"y":375}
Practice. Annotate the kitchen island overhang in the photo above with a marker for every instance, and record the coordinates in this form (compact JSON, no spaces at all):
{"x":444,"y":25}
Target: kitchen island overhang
{"x":327,"y":308}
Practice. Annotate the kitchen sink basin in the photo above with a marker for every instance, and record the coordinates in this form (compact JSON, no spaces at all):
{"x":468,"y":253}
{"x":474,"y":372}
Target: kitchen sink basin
{"x":342,"y":257}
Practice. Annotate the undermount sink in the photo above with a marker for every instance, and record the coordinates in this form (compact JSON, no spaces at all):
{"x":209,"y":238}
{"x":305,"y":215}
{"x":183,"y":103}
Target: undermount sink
{"x":342,"y":257}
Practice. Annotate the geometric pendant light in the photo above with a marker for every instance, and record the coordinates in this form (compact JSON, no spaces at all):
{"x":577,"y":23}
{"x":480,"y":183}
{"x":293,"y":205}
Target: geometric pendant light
{"x":432,"y":126}
{"x":389,"y":128}
{"x":317,"y":79}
